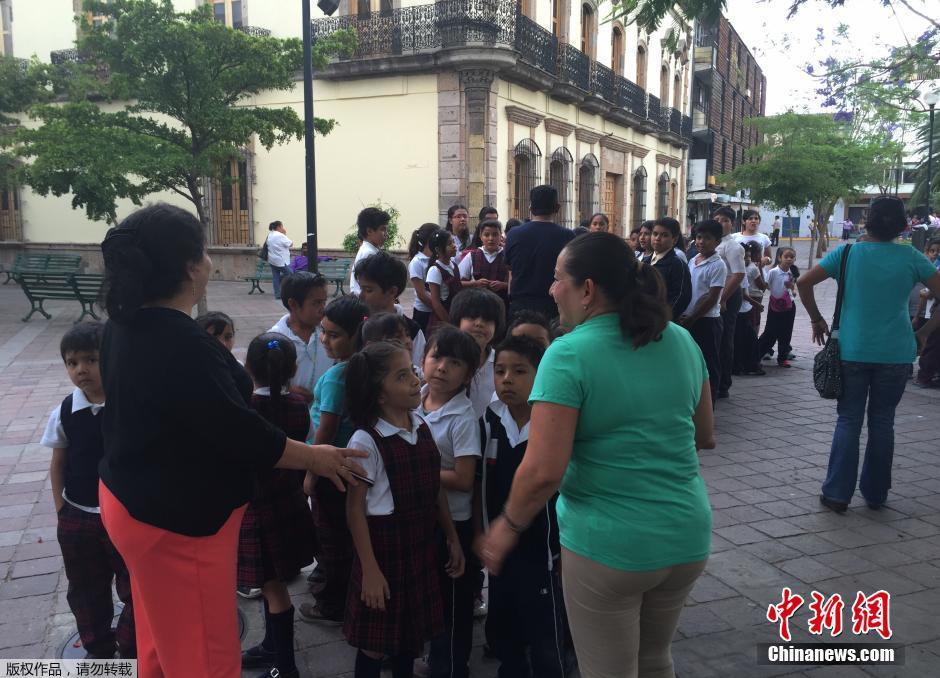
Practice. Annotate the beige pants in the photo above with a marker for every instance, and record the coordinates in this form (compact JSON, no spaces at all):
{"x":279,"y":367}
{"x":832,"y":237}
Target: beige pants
{"x":623,"y":622}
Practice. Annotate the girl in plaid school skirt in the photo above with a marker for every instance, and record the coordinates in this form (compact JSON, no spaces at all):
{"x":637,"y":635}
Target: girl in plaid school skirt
{"x":394,"y":601}
{"x":277,"y":536}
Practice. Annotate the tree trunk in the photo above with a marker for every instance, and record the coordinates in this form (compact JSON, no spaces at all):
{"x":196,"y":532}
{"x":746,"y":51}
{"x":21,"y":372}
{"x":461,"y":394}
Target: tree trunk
{"x":813,"y":238}
{"x":192,"y":183}
{"x":790,"y":221}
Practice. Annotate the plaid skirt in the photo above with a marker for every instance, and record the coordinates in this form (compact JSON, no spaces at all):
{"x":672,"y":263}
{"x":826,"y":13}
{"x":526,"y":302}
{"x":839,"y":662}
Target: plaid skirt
{"x":277,"y":538}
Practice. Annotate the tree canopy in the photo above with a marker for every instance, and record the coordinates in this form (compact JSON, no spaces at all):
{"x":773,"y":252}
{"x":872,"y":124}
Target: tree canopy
{"x":158,"y":101}
{"x":810,"y":158}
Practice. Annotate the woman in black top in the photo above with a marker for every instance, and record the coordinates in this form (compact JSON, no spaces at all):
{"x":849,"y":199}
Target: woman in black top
{"x":182,"y":447}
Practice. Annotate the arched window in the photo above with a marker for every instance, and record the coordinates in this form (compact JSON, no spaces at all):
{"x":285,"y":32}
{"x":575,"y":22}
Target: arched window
{"x":639,"y":196}
{"x":677,"y":92}
{"x":616,"y":50}
{"x":641,"y":66}
{"x":560,"y":171}
{"x":664,"y":85}
{"x":588,"y":30}
{"x":526,"y":158}
{"x":587,"y":186}
{"x":662,"y":196}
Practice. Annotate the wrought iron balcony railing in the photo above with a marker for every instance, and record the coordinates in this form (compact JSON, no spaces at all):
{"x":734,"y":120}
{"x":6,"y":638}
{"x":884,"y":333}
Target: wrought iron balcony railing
{"x":574,"y":66}
{"x":495,"y":23}
{"x":256,"y":31}
{"x":62,"y":56}
{"x":655,"y":111}
{"x":686,"y":127}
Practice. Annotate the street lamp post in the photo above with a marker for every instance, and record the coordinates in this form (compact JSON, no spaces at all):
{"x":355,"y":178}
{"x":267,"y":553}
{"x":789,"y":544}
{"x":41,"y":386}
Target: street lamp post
{"x":931,"y":100}
{"x":328,"y":7}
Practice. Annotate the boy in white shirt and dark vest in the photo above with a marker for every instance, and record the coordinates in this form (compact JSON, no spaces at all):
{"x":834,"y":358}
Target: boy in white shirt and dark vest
{"x":91,"y":560}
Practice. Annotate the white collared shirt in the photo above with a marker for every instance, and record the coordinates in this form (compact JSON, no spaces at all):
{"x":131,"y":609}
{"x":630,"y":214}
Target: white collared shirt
{"x":705,"y":275}
{"x":455,"y":428}
{"x":54,"y":435}
{"x":379,"y":500}
{"x":312,"y":360}
{"x":514,"y":435}
{"x":483,"y":386}
{"x":466,"y":264}
{"x":418,"y":268}
{"x":732,"y":253}
{"x":278,"y":249}
{"x":366,"y":250}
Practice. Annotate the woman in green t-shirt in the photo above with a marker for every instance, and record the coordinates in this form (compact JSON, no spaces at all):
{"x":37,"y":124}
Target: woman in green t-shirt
{"x":620,"y":405}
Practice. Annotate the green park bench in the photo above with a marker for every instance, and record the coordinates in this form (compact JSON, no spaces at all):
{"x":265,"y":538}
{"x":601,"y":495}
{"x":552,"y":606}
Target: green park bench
{"x":335,"y":272}
{"x":29,"y":262}
{"x":38,"y":287}
{"x":262,"y":273}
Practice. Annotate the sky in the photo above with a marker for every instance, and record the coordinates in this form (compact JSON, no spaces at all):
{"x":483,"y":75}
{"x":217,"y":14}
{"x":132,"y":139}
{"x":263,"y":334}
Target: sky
{"x":783,"y":47}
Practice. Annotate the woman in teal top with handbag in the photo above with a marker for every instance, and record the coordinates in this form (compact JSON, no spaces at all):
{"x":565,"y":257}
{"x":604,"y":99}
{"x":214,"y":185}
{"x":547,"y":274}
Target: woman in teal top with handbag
{"x":876,"y":344}
{"x":620,"y":405}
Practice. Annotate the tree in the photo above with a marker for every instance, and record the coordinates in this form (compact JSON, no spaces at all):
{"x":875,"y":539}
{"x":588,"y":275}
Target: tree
{"x":809,"y":158}
{"x":181,"y":84}
{"x":22,"y":84}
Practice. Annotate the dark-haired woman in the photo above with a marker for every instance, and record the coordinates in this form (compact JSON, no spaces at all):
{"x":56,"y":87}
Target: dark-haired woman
{"x":182,"y":447}
{"x":618,"y":442}
{"x":877,"y":346}
{"x":458,"y":225}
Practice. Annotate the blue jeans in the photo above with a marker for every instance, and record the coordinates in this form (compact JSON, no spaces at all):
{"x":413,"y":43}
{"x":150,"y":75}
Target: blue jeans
{"x":881,"y":385}
{"x":278,"y":272}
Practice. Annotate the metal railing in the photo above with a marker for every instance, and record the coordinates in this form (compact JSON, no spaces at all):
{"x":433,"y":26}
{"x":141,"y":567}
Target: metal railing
{"x":495,"y":23}
{"x":256,"y":31}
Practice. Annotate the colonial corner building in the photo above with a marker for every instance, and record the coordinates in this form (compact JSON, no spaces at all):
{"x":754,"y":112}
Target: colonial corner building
{"x":448,"y":102}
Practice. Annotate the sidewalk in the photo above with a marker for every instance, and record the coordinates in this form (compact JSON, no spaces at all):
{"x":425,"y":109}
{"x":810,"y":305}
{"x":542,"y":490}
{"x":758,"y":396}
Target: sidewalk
{"x":773,"y":437}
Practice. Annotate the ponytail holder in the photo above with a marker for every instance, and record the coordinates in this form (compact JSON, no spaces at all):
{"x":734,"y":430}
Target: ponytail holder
{"x":364,"y":318}
{"x":273,"y":344}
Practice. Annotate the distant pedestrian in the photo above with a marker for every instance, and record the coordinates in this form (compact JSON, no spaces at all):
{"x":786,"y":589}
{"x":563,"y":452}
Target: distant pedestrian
{"x":877,"y":346}
{"x":775,"y":232}
{"x":781,"y":310}
{"x":278,"y":254}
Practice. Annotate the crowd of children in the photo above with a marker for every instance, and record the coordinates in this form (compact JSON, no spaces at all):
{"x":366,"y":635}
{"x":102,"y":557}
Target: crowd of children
{"x":439,"y":402}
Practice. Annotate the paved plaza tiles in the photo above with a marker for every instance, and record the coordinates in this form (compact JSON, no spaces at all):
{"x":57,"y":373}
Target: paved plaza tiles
{"x":773,"y":437}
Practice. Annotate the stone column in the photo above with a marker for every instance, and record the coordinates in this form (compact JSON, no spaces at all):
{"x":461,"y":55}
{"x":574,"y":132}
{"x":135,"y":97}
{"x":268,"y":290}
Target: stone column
{"x":475,"y":85}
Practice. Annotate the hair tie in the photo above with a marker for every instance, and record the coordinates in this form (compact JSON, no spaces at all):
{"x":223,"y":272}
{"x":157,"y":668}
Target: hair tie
{"x":364,"y":318}
{"x":273,"y":344}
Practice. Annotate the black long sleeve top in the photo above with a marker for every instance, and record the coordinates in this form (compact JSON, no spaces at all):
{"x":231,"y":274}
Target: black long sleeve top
{"x":678,"y":281}
{"x":182,"y":444}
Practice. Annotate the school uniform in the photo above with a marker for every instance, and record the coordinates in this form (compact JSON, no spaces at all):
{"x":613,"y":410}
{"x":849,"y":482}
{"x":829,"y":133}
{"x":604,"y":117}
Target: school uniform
{"x":418,"y":268}
{"x":482,"y":386}
{"x":312,"y":360}
{"x":732,"y":253}
{"x":482,"y":265}
{"x":746,"y":356}
{"x":456,"y":431}
{"x":277,"y":538}
{"x":91,"y":560}
{"x":447,"y":276}
{"x":780,"y":315}
{"x":366,"y":250}
{"x":675,"y":274}
{"x":334,"y":556}
{"x":401,"y":510}
{"x":526,"y":608}
{"x":707,"y":330}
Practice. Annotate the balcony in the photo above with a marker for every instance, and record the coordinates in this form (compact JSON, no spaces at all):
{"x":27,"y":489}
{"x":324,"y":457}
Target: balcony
{"x":64,"y":56}
{"x":255,"y":31}
{"x":427,"y":37}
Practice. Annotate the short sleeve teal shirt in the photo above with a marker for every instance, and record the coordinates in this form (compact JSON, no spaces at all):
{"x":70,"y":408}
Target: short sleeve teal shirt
{"x":632,"y":497}
{"x":875,"y":326}
{"x":328,"y":396}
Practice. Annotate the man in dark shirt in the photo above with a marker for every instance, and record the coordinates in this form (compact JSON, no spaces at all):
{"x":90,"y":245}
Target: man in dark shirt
{"x":531,"y":251}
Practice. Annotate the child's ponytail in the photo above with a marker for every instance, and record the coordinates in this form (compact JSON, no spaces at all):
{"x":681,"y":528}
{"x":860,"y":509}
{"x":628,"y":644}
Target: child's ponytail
{"x":272,"y":361}
{"x":419,"y":238}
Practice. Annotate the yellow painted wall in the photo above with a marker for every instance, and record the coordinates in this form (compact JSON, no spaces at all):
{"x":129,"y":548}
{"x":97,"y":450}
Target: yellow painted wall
{"x":41,"y":26}
{"x":385,"y":147}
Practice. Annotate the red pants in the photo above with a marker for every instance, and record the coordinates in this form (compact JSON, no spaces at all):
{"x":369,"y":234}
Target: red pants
{"x":184,"y":594}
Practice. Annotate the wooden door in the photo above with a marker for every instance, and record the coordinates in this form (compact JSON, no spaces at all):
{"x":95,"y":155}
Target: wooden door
{"x":611,"y":201}
{"x":9,"y":215}
{"x":231,"y":224}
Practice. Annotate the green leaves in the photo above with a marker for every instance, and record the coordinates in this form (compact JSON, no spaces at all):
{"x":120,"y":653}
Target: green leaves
{"x":160,"y":100}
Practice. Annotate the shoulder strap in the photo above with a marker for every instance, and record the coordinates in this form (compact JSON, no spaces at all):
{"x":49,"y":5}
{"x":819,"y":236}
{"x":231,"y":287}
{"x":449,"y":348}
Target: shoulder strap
{"x":838,"y":312}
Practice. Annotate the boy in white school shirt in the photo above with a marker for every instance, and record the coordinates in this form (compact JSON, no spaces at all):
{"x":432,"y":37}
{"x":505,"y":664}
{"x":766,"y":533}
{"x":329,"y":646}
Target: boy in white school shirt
{"x":372,"y":227}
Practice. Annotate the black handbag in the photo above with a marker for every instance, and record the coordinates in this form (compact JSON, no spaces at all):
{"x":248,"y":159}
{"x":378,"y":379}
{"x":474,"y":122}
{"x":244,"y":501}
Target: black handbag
{"x":263,"y":252}
{"x":827,"y":365}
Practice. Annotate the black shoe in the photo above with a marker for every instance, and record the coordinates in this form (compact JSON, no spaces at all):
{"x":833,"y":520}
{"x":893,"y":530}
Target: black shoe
{"x":755,"y":373}
{"x":875,"y":507}
{"x":257,"y":657}
{"x":833,"y":505}
{"x":723,"y":394}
